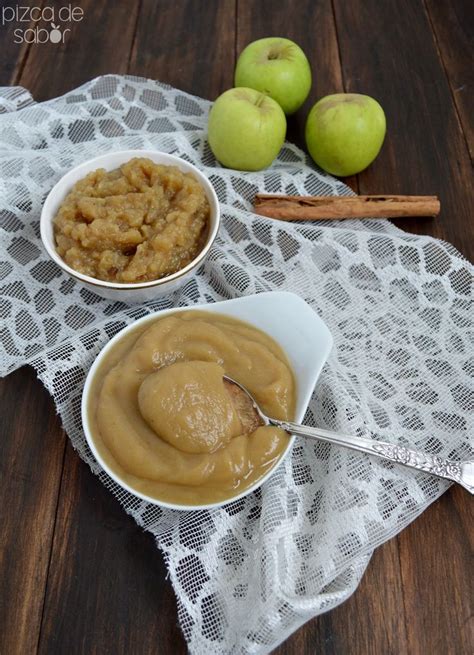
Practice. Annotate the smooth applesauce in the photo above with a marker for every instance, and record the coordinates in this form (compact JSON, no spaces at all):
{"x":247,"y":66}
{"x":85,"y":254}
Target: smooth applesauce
{"x":140,"y":222}
{"x":163,"y":418}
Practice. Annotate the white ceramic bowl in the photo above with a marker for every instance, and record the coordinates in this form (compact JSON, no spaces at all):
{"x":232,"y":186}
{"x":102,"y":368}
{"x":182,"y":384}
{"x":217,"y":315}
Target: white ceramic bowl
{"x":142,"y":291}
{"x":285,"y":317}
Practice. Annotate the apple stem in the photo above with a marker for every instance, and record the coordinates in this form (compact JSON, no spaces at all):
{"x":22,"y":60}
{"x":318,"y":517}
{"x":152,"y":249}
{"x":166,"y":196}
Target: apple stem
{"x":261,"y":99}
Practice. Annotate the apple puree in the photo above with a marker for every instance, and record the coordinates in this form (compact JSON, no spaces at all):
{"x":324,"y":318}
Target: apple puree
{"x":140,"y":222}
{"x":162,"y":417}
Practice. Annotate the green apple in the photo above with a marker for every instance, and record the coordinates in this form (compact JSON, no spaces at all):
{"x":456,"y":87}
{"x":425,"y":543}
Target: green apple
{"x":344,"y":132}
{"x":277,"y":67}
{"x":246,"y":129}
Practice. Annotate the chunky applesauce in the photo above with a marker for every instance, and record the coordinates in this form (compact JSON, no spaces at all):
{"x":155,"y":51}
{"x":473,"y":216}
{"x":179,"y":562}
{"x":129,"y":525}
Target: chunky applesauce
{"x":140,"y":222}
{"x":162,"y":417}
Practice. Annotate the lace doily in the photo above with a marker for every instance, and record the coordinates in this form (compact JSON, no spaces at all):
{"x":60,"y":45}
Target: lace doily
{"x":399,"y":307}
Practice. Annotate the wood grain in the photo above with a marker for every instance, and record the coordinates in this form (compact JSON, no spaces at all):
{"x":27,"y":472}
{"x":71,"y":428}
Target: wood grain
{"x":187,"y":44}
{"x":425,"y":151}
{"x":436,"y":565}
{"x":453,"y":26}
{"x":107,"y":590}
{"x":31,"y":458}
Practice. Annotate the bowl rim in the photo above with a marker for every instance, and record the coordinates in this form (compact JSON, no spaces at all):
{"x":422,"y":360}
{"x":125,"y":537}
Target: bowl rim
{"x":212,"y":308}
{"x":47,"y":217}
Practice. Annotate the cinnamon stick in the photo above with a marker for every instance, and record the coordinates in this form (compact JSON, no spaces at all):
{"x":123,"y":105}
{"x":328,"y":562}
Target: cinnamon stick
{"x":314,"y":208}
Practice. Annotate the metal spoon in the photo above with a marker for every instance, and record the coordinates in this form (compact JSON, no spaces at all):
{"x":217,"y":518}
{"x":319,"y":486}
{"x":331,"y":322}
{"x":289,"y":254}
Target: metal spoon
{"x":460,"y":472}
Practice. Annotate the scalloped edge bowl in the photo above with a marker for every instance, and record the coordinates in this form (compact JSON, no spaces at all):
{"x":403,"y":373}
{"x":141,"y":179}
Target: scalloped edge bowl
{"x":140,"y":291}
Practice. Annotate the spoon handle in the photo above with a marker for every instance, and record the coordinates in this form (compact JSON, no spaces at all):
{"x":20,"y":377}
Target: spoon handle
{"x":460,"y":472}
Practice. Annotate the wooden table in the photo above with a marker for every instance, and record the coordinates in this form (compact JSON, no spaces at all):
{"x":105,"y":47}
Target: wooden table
{"x":78,"y":576}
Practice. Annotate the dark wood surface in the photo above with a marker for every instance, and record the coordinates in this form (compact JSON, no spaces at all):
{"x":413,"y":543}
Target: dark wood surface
{"x":78,"y":576}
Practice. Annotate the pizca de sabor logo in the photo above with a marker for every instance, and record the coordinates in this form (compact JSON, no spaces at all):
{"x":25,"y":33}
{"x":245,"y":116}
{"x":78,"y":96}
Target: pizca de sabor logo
{"x":41,"y":24}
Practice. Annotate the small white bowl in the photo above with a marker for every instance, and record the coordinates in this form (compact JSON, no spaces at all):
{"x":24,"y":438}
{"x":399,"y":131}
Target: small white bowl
{"x":284,"y":316}
{"x":141,"y":291}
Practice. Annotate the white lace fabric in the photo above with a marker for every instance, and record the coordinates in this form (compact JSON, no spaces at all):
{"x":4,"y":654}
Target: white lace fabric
{"x":399,"y":307}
